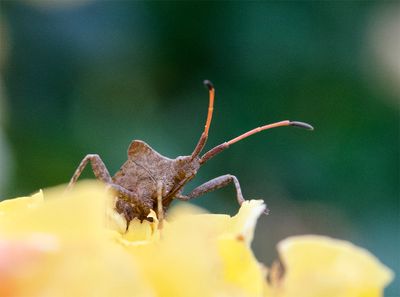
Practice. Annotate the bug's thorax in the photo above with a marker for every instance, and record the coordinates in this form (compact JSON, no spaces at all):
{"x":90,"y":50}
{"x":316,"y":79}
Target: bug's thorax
{"x":145,"y":168}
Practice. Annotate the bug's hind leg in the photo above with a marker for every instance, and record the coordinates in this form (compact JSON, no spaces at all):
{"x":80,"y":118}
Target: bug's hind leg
{"x":99,"y":170}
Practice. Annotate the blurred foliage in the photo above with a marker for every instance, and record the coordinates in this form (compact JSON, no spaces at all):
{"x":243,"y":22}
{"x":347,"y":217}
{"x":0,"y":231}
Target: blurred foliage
{"x":89,"y":77}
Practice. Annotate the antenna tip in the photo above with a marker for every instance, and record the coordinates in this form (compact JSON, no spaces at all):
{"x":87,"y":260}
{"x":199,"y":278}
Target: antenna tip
{"x":208,"y":84}
{"x":301,"y":125}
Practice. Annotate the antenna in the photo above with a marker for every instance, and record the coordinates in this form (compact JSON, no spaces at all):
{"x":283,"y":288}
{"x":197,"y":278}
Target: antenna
{"x":203,"y":138}
{"x":219,"y":148}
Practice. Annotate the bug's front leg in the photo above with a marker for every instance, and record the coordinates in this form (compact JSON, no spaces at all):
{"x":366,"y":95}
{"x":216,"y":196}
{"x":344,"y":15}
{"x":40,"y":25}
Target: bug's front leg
{"x":212,"y":185}
{"x":160,"y":209}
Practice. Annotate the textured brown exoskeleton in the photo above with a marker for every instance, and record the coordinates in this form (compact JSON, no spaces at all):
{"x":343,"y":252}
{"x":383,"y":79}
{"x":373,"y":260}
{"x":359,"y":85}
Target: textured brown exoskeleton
{"x":148,"y":180}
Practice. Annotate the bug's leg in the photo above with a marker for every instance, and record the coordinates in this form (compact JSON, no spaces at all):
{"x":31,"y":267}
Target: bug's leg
{"x":215,"y":184}
{"x":160,"y":209}
{"x":126,"y":209}
{"x":101,"y":173}
{"x":99,"y":169}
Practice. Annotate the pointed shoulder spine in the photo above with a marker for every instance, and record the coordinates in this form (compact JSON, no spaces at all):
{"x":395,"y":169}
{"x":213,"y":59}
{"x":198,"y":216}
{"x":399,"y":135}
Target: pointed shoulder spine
{"x":137,"y":147}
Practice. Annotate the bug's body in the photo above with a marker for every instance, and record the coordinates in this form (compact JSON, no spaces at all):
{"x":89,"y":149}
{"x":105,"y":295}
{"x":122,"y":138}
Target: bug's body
{"x":145,"y":168}
{"x":149,"y":181}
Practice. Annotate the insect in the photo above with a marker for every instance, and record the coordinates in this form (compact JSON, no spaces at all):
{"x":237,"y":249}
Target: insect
{"x":150,"y":181}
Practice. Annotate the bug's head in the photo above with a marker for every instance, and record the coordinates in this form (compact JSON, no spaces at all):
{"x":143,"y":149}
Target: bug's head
{"x":196,"y":159}
{"x":186,"y":167}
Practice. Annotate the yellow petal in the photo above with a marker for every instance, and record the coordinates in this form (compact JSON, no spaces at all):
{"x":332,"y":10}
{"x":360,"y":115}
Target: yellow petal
{"x":10,"y":206}
{"x":65,"y":248}
{"x":241,"y":225}
{"x":142,"y":232}
{"x":320,"y":266}
{"x":240,"y":268}
{"x":73,"y":214}
{"x":201,"y":254}
{"x":244,"y":223}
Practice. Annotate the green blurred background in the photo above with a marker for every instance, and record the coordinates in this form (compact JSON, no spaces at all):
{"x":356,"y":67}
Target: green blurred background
{"x":90,"y":76}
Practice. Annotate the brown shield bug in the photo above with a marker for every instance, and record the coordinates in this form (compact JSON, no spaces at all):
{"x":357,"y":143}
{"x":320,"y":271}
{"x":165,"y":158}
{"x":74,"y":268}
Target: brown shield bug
{"x":148,"y":180}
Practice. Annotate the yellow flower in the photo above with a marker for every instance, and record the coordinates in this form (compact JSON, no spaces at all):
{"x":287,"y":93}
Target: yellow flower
{"x":320,"y":266}
{"x":75,"y":244}
{"x":64,"y":248}
{"x":199,"y":254}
